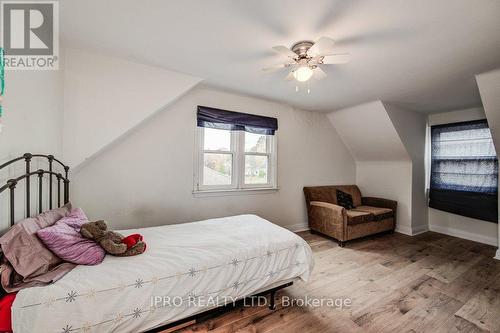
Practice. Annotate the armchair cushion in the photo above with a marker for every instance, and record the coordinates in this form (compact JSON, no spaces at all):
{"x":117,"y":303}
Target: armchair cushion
{"x":379,"y":213}
{"x":355,"y":217}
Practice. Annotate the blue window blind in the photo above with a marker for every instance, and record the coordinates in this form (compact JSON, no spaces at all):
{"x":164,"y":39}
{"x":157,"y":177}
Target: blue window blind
{"x":235,"y":121}
{"x":464,"y":170}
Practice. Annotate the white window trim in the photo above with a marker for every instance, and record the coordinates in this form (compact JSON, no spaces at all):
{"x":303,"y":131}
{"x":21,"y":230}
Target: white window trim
{"x":237,"y":186}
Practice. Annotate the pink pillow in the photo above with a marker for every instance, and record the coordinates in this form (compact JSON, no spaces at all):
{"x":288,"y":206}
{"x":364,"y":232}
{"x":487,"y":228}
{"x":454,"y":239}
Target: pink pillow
{"x":65,"y":240}
{"x":23,"y":249}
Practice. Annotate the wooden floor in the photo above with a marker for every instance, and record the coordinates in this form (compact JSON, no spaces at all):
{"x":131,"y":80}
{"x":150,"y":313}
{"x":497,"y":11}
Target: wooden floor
{"x":428,"y":283}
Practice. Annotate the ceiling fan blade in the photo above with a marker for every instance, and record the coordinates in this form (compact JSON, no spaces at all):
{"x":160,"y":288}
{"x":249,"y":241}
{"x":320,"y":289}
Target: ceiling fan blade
{"x":319,"y":74}
{"x":285,"y":51}
{"x":274,"y":68}
{"x":324,"y":45}
{"x":336,"y":59}
{"x":289,"y":77}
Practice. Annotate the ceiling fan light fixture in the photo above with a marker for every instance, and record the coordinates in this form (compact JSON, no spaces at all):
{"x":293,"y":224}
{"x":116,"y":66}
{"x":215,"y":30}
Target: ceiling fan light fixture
{"x":306,"y":58}
{"x":303,"y":74}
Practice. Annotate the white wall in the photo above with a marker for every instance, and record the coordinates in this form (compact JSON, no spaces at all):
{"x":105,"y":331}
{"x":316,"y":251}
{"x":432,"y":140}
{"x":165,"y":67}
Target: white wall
{"x":411,"y":128}
{"x":489,"y":88}
{"x":391,"y":180}
{"x":457,"y":116}
{"x":452,"y":224}
{"x":32,"y":113}
{"x":146,"y":178}
{"x":104,"y":97}
{"x":463,"y":227}
{"x":383,"y":166}
{"x":32,"y":123}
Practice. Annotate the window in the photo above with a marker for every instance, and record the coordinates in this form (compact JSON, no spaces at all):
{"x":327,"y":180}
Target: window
{"x":257,"y":157}
{"x":218,"y":156}
{"x":464,"y":170}
{"x":234,"y":155}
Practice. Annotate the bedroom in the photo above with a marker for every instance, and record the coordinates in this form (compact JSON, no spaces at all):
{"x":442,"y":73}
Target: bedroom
{"x":164,"y":115}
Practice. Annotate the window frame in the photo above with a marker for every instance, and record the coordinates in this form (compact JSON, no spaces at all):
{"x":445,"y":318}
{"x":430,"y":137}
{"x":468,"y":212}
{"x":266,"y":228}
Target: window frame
{"x":271,"y":162}
{"x":238,"y":164}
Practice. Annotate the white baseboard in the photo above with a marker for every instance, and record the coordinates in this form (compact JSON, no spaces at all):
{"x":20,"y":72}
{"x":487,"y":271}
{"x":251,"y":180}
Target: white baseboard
{"x":420,"y":229}
{"x":408,"y":230}
{"x":498,"y":255}
{"x":298,"y":227}
{"x":404,"y":229}
{"x":466,"y":235}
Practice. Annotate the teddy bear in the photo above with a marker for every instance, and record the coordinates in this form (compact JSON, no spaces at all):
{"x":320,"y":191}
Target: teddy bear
{"x":113,"y":242}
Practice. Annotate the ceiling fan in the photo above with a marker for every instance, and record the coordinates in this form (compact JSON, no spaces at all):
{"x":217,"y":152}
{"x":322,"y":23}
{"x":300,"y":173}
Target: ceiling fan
{"x":305,"y":57}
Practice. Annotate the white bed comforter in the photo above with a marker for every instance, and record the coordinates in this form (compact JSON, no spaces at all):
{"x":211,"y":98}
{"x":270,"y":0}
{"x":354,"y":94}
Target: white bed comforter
{"x":192,"y":264}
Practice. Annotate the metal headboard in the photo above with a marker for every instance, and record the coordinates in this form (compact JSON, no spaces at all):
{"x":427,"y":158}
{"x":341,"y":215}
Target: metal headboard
{"x":12,"y":183}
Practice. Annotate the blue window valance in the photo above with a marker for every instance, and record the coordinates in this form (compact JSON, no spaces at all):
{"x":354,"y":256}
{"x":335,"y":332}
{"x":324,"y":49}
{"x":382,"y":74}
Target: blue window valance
{"x":235,"y":121}
{"x":464,"y":170}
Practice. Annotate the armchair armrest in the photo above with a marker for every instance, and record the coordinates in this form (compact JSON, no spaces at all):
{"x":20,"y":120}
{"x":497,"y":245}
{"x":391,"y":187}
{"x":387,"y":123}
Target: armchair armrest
{"x":379,"y":202}
{"x":329,"y":209}
{"x":327,"y":218}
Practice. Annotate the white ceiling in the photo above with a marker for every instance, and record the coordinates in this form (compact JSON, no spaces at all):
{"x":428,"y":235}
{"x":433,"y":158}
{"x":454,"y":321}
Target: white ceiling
{"x":421,"y":54}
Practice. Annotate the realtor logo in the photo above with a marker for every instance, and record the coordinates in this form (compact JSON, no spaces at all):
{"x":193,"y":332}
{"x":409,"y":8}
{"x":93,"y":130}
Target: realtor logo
{"x":30,"y":35}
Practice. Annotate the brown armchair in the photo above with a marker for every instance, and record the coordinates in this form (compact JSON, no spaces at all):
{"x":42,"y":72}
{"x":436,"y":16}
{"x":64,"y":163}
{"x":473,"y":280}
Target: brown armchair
{"x":369,"y":215}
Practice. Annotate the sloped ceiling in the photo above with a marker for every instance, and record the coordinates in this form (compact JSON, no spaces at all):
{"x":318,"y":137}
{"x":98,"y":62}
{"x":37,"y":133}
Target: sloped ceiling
{"x":489,"y":87}
{"x":421,"y":54}
{"x":411,"y":129}
{"x":369,"y":133}
{"x":105,"y":97}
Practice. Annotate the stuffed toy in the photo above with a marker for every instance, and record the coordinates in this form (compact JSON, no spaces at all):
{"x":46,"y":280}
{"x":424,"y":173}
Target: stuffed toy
{"x":113,"y":242}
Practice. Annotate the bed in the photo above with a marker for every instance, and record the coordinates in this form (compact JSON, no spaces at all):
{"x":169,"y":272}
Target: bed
{"x":188,"y":269}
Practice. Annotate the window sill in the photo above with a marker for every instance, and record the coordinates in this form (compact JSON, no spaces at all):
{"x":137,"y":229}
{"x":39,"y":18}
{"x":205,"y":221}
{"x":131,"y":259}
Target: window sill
{"x":245,"y":191}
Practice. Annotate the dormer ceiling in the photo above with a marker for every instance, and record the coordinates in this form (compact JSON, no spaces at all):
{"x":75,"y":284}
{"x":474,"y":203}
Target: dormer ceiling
{"x":420,"y":54}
